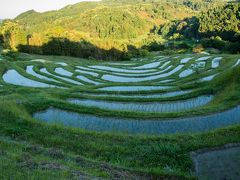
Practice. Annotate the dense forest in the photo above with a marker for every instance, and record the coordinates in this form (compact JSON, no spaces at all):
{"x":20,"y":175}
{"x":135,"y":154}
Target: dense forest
{"x":218,"y":27}
{"x":119,"y":29}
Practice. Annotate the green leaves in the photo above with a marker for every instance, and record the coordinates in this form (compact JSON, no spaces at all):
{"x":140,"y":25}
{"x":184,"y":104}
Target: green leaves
{"x":13,"y":35}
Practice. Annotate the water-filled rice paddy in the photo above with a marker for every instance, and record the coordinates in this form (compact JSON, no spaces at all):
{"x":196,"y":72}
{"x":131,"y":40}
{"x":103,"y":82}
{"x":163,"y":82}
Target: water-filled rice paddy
{"x":62,"y":63}
{"x":143,"y":96}
{"x":15,"y":78}
{"x":175,"y":106}
{"x":186,"y":60}
{"x":208,"y":78}
{"x":113,"y":69}
{"x":186,"y":73}
{"x":63,"y":72}
{"x":203,"y":58}
{"x":149,"y":66}
{"x":31,"y":71}
{"x":218,"y":163}
{"x":113,"y":78}
{"x":134,"y":88}
{"x":138,"y":126}
{"x":87,"y":72}
{"x":85,"y":79}
{"x":216,"y":62}
{"x":44,"y":70}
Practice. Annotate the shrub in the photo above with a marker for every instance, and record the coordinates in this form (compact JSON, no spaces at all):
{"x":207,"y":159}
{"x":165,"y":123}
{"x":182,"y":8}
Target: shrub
{"x":143,"y":52}
{"x":183,"y":46}
{"x":233,"y":47}
{"x":91,"y":58}
{"x":30,"y":49}
{"x":176,"y":36}
{"x":214,"y":42}
{"x":168,"y":52}
{"x":198,"y":49}
{"x":13,"y":55}
{"x":154,"y":46}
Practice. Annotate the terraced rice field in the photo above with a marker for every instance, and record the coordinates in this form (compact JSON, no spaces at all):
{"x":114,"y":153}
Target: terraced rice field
{"x":166,"y":86}
{"x":155,"y":96}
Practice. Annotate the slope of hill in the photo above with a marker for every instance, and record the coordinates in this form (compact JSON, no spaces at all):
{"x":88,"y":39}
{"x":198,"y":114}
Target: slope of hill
{"x":219,"y":21}
{"x":102,"y":20}
{"x":109,"y":19}
{"x":108,"y":28}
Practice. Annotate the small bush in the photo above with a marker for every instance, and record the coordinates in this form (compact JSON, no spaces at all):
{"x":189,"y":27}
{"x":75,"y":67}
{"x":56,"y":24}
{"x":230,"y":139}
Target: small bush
{"x":30,"y":49}
{"x":233,"y":47}
{"x":198,"y":49}
{"x":168,"y":52}
{"x":154,"y":46}
{"x":13,"y":55}
{"x":214,"y":42}
{"x":183,"y":46}
{"x":91,"y":58}
{"x":143,"y":52}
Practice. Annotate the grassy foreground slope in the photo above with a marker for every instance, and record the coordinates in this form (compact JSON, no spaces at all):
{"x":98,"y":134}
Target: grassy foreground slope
{"x":64,"y":150}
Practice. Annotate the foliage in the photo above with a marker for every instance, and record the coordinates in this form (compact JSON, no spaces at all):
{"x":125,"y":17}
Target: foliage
{"x":83,"y":49}
{"x":186,"y":28}
{"x":12,"y":55}
{"x":217,"y":28}
{"x":222,"y":21}
{"x":214,"y":42}
{"x":12,"y":35}
{"x":234,"y":48}
{"x":199,"y":48}
{"x":154,"y":46}
{"x":218,"y":43}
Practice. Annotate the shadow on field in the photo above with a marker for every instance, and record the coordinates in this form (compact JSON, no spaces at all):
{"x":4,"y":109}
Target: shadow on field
{"x":82,"y":49}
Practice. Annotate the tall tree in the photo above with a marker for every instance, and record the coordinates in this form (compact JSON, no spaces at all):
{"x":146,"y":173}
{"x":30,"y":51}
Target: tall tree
{"x":12,"y":34}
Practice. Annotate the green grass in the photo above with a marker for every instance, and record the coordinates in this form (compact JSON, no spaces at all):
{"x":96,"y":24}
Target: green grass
{"x":149,"y":154}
